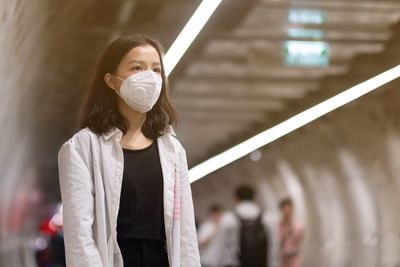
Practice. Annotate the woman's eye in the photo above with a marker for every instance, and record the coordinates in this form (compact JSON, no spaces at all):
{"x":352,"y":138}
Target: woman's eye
{"x":158,"y":70}
{"x":137,"y":68}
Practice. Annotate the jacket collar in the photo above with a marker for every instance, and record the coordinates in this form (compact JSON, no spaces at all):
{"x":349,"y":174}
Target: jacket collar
{"x":170,"y":130}
{"x":118,"y":133}
{"x":113,"y":132}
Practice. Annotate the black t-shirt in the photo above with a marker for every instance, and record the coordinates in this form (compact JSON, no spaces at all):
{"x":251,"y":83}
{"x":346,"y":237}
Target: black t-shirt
{"x":141,"y":214}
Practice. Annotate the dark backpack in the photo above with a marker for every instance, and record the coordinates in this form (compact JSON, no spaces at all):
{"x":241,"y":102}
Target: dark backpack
{"x":253,"y":240}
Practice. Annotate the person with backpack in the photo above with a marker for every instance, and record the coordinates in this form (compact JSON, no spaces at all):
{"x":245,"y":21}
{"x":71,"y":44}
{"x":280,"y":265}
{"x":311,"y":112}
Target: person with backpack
{"x":244,"y":232}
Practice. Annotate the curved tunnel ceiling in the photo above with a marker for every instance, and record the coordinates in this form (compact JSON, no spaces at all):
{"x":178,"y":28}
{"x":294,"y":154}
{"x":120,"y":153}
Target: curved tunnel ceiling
{"x":233,"y":80}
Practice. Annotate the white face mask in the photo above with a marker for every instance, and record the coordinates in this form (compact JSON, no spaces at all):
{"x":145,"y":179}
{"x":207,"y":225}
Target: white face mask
{"x":141,"y":90}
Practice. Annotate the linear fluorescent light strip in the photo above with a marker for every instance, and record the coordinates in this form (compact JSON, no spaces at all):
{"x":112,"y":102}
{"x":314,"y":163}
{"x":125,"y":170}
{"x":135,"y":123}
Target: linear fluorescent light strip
{"x":291,"y":124}
{"x":189,"y":33}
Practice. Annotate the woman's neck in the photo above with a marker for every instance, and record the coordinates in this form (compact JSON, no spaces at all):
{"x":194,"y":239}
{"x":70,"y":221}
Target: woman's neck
{"x":135,"y":119}
{"x":133,"y":138}
{"x":286,"y":220}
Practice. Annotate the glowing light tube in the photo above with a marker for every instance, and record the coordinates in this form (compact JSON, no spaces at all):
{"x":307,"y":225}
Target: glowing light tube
{"x":291,"y":124}
{"x":189,"y":33}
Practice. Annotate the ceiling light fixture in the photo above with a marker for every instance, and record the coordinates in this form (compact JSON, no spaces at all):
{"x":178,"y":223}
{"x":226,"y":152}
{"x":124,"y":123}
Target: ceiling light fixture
{"x":189,"y":33}
{"x":292,"y":124}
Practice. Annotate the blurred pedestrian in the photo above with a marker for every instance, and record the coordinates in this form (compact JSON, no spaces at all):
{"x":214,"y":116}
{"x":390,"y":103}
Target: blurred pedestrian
{"x":245,"y":233}
{"x":290,"y":236}
{"x":58,"y":248}
{"x":208,"y":238}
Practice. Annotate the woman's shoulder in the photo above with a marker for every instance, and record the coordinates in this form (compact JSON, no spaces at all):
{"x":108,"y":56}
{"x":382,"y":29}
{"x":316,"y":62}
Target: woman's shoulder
{"x":81,"y":139}
{"x":178,"y":145}
{"x":84,"y":134}
{"x":171,"y":136}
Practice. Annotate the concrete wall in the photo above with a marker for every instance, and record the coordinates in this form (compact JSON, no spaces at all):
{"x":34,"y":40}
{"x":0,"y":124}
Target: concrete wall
{"x":32,"y":34}
{"x":22,"y":52}
{"x":343,"y":171}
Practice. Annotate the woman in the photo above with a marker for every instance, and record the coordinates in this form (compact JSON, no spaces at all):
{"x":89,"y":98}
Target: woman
{"x":124,"y":179}
{"x":290,"y":236}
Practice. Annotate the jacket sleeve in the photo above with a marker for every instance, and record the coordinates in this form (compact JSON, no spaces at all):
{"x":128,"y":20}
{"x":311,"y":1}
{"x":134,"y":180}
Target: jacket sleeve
{"x":77,"y":193}
{"x":189,"y":251}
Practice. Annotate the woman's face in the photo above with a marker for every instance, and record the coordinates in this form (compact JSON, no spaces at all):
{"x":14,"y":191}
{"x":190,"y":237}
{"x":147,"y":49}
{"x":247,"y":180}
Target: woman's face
{"x":287,"y":211}
{"x":140,"y":58}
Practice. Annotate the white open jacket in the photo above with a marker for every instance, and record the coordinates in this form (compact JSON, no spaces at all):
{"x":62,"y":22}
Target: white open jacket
{"x":91,"y":168}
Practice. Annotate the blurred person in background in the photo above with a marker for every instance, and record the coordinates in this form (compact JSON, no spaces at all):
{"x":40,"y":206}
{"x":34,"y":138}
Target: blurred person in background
{"x":208,"y":238}
{"x":43,"y":244}
{"x":124,"y":177}
{"x":290,"y":236}
{"x":58,"y":248}
{"x":245,"y":233}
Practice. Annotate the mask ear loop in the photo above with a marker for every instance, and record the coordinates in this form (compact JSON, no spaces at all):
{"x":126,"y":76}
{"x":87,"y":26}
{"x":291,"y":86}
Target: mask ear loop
{"x":119,"y":79}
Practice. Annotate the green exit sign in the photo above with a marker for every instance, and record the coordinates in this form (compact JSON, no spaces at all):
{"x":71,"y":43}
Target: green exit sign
{"x":306,"y":16}
{"x":306,"y":53}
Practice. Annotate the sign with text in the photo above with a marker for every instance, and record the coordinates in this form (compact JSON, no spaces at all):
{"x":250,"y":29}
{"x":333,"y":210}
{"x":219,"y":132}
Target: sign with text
{"x":306,"y":53}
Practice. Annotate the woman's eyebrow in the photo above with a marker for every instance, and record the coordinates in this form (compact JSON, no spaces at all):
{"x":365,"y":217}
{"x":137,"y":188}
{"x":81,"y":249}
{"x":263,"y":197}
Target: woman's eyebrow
{"x":143,"y":62}
{"x":135,"y":61}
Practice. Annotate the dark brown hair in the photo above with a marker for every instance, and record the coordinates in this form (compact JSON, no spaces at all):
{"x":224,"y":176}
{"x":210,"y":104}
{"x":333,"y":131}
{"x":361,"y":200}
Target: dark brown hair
{"x":100,"y":112}
{"x":244,"y":192}
{"x":286,"y":202}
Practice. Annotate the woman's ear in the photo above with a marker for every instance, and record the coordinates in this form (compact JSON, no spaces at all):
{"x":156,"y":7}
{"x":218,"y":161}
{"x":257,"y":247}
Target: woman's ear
{"x":108,"y":78}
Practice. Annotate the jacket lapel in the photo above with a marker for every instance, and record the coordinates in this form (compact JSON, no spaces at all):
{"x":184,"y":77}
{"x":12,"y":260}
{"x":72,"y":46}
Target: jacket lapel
{"x":167,"y":159}
{"x":113,"y":164}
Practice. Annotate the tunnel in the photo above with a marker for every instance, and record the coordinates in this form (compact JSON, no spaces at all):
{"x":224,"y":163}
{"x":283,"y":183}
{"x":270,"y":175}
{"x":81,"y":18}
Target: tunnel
{"x":255,"y":64}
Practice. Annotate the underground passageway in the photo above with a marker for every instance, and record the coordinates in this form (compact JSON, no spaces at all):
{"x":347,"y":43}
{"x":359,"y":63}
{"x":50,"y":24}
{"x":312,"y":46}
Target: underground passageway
{"x":254,"y":64}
